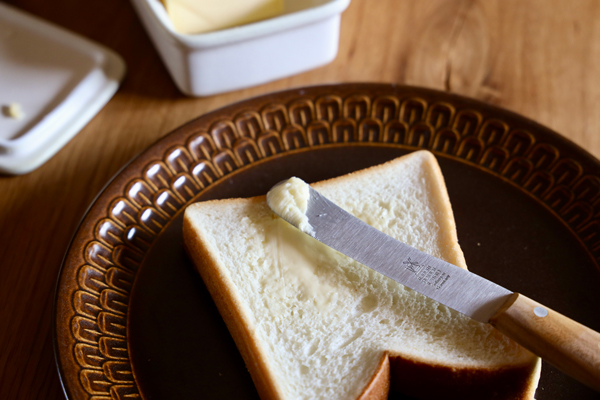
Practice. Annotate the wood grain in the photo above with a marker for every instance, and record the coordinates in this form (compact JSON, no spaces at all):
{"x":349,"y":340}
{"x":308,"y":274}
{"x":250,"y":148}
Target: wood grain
{"x":566,"y":344}
{"x":536,"y":57}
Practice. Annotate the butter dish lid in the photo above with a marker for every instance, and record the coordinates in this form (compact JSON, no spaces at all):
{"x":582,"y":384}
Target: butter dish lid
{"x":52,"y":83}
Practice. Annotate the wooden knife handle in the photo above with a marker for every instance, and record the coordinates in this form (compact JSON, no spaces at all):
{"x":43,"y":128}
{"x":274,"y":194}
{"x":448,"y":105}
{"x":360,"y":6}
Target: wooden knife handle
{"x":564,"y":343}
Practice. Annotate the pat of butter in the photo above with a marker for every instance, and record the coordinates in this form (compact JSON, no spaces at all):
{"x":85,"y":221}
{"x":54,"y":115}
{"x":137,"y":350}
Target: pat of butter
{"x":289,"y":200}
{"x":299,"y":266}
{"x":199,"y":16}
{"x":13,"y":110}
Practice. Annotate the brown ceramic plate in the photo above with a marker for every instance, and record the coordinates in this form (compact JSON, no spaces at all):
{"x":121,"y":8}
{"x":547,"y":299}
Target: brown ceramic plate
{"x":133,"y":319}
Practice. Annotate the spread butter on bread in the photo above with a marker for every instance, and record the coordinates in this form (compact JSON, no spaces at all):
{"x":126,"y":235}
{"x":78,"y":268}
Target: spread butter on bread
{"x":312,"y":323}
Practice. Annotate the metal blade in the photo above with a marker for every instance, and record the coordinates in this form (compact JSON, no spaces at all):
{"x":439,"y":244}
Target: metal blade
{"x":448,"y":284}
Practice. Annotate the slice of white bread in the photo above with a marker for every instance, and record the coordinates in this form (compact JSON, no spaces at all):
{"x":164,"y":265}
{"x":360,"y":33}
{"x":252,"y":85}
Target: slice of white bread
{"x":311,"y":323}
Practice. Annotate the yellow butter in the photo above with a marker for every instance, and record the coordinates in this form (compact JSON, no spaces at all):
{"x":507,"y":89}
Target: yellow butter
{"x":199,"y":16}
{"x":298,"y":260}
{"x":299,"y":266}
{"x":13,"y":110}
{"x":289,"y":200}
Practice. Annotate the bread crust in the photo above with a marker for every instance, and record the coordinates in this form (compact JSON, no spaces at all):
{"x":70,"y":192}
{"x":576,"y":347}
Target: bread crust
{"x":428,"y":381}
{"x":394,"y":371}
{"x":378,"y":387}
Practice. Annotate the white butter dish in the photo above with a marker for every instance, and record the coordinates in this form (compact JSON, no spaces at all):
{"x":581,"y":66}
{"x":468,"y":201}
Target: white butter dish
{"x":304,"y":37}
{"x":57,"y":79}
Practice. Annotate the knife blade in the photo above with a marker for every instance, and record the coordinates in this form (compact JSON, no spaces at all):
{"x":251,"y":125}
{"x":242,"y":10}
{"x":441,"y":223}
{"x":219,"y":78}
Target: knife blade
{"x":568,"y":345}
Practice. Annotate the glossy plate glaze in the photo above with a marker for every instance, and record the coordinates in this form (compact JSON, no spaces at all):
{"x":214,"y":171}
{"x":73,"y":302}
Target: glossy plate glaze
{"x":134,"y":320}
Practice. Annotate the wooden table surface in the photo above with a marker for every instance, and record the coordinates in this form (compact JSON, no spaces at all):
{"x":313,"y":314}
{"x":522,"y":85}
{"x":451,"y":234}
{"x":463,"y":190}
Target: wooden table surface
{"x":539,"y":58}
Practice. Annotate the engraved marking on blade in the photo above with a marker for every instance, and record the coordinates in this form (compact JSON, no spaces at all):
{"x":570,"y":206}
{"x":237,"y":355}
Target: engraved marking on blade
{"x":427,"y":274}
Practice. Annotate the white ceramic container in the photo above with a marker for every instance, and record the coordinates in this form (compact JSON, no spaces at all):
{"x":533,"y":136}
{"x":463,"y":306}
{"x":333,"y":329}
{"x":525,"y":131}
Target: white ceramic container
{"x":304,"y":37}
